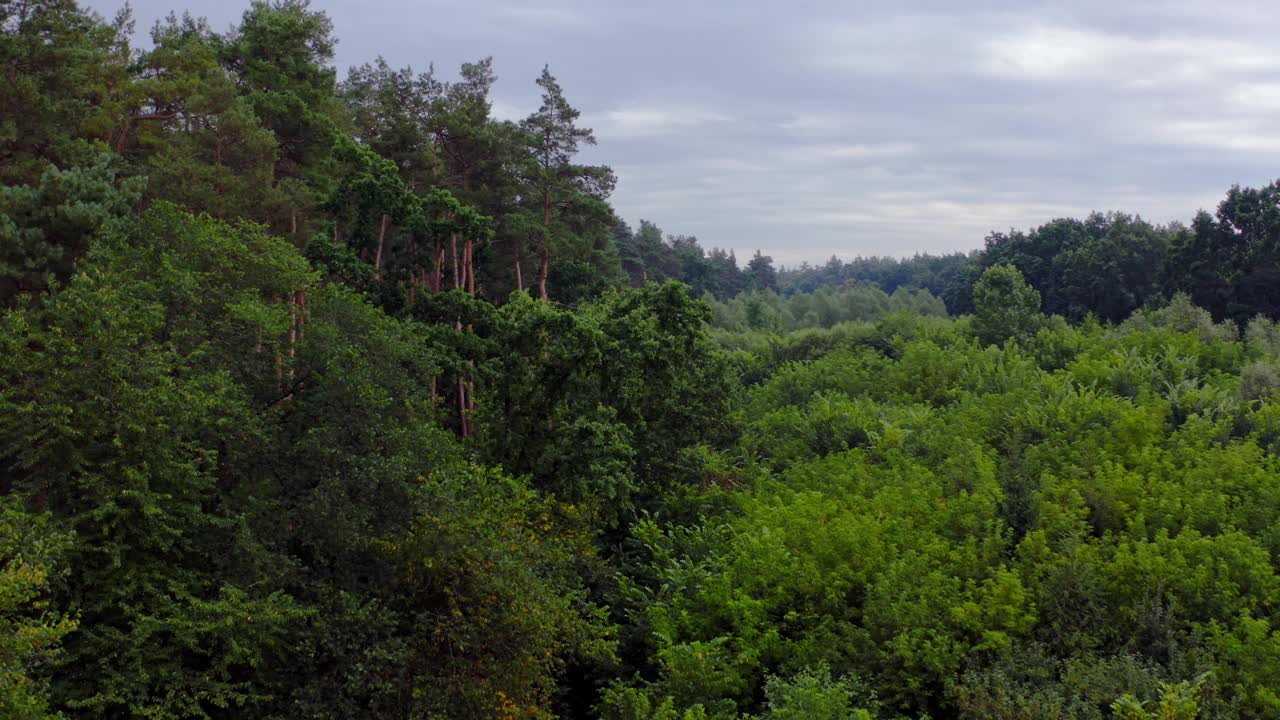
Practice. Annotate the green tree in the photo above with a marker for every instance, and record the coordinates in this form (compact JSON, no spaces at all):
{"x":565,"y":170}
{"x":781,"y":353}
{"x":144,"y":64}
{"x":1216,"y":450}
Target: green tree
{"x":45,"y":228}
{"x":280,"y":55}
{"x":198,"y":142}
{"x":760,"y":273}
{"x":1005,"y":308}
{"x":31,"y":549}
{"x":65,"y":76}
{"x":563,"y":189}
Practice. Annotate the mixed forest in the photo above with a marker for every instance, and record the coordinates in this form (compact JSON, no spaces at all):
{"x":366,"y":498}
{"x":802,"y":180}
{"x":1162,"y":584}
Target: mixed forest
{"x":333,"y":397}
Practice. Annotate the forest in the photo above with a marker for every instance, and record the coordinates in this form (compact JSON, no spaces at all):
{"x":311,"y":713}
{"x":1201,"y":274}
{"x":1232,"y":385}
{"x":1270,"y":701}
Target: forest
{"x":337,"y":397}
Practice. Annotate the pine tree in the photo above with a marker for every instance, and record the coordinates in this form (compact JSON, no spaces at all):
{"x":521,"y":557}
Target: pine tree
{"x":559,"y":184}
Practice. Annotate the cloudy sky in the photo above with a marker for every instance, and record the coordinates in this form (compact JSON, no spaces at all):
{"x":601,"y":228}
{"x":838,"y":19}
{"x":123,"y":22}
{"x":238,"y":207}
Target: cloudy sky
{"x":813,"y":128}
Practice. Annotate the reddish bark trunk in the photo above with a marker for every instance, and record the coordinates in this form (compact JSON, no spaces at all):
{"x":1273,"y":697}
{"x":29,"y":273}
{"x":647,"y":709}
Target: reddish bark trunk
{"x":124,"y":133}
{"x":438,"y":280}
{"x":469,"y":268}
{"x":279,"y":363}
{"x":293,"y":333}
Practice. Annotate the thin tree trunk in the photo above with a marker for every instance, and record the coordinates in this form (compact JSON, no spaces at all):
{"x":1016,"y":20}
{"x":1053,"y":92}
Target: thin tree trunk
{"x":519,"y":279}
{"x":469,"y":268}
{"x":542,"y":272}
{"x":302,"y":313}
{"x":438,"y":280}
{"x":293,"y":333}
{"x":377,"y":259}
{"x":124,"y":133}
{"x":462,"y":406}
{"x":275,"y":299}
{"x":546,"y":242}
{"x":217,"y":159}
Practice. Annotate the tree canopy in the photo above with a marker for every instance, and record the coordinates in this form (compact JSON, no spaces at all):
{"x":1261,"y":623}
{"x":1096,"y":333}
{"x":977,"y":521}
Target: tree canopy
{"x":336,"y":398}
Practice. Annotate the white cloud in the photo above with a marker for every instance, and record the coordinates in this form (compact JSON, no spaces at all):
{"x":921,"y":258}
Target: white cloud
{"x":864,"y":151}
{"x":889,"y":128}
{"x":643,"y":122}
{"x":894,"y":45}
{"x":1238,"y":135}
{"x":547,"y":16}
{"x":1048,"y":53}
{"x":1040,"y":53}
{"x":502,"y":109}
{"x":815,"y":123}
{"x":1256,"y":97}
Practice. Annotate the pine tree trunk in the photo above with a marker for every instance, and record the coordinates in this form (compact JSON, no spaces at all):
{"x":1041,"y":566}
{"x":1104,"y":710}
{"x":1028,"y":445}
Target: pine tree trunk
{"x":438,"y":280}
{"x":124,"y":133}
{"x":462,"y":406}
{"x":293,"y":334}
{"x":546,"y":242}
{"x":302,"y":313}
{"x":217,"y":159}
{"x":377,"y":259}
{"x":519,"y":279}
{"x":279,"y":363}
{"x":469,"y":268}
{"x":542,"y":272}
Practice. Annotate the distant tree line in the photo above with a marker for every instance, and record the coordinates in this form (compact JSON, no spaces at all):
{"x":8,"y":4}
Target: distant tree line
{"x":1107,"y":265}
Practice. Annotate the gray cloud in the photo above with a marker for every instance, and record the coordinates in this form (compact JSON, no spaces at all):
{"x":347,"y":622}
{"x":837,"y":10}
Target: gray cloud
{"x":860,"y":128}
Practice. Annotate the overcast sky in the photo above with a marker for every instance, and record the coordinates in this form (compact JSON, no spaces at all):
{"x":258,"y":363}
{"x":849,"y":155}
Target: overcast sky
{"x":807,"y":129}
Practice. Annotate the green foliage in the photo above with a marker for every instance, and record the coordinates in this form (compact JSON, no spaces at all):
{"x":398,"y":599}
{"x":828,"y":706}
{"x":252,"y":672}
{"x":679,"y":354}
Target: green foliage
{"x":31,"y":549}
{"x":949,"y":277}
{"x":65,"y":80}
{"x":813,"y":695}
{"x":983,"y":532}
{"x":1177,"y":702}
{"x":822,"y":309}
{"x":45,"y":228}
{"x":281,"y":436}
{"x":602,"y":406}
{"x":248,"y":460}
{"x":1004,"y":307}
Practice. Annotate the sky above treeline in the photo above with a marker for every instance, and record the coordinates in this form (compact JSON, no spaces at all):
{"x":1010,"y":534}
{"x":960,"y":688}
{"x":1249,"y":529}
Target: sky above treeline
{"x":812,"y":128}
